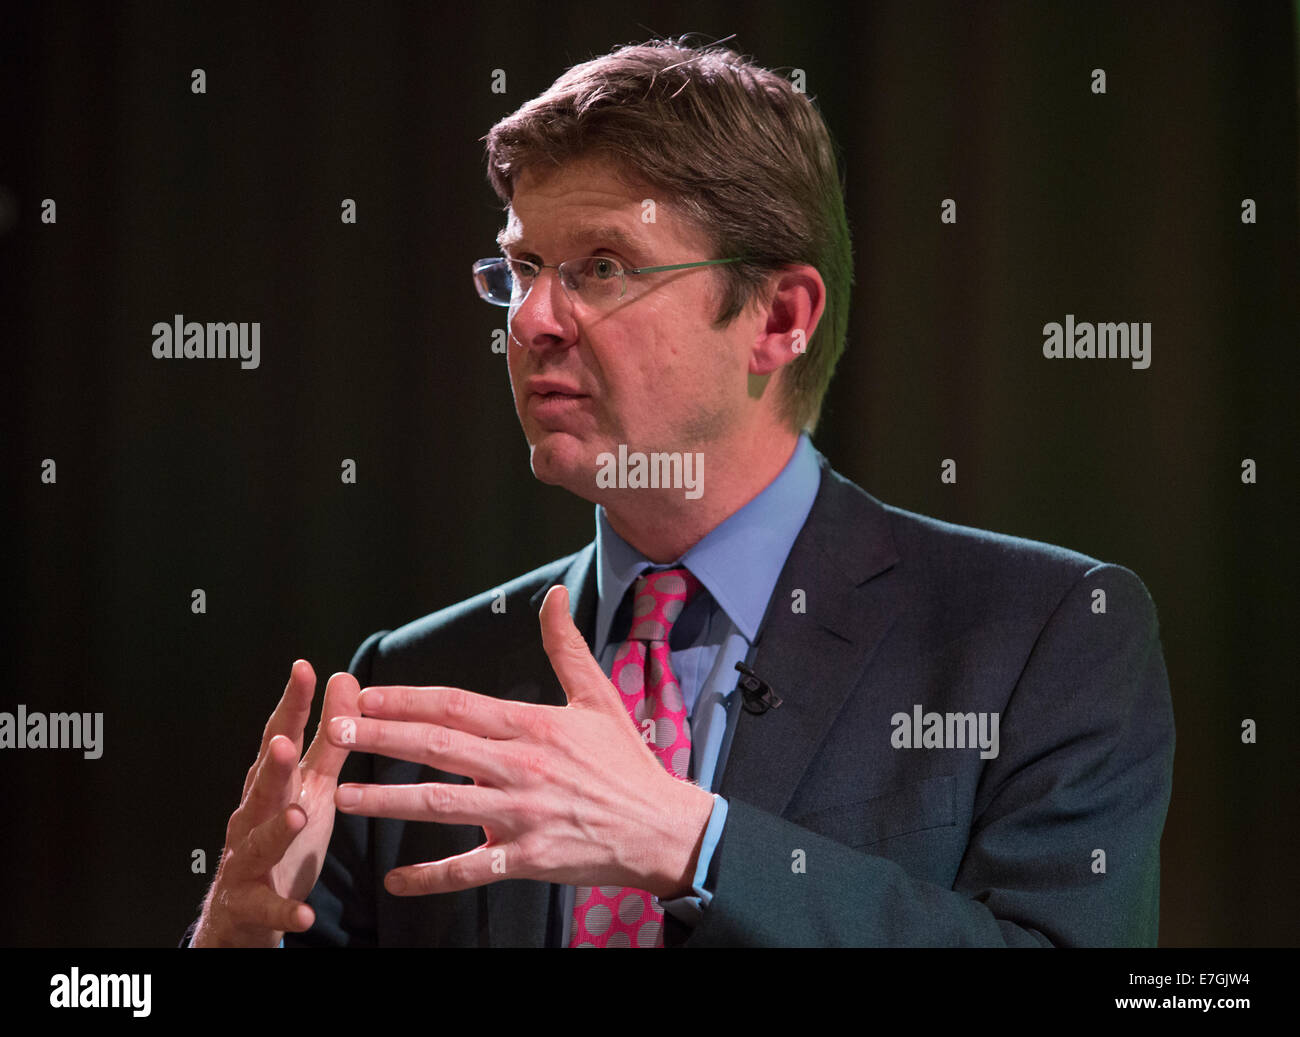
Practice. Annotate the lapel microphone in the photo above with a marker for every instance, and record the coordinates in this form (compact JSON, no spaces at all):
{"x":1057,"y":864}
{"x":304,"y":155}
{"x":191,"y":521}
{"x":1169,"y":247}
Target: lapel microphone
{"x":757,"y":693}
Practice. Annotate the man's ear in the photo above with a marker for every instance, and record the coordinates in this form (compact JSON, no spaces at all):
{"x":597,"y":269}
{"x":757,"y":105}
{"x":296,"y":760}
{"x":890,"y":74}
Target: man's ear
{"x":795,"y":299}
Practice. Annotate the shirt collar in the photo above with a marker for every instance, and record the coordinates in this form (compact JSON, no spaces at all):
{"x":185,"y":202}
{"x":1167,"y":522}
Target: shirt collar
{"x":738,"y":561}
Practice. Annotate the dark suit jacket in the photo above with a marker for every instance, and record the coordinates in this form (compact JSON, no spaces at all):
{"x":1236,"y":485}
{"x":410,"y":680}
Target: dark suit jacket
{"x":899,"y":846}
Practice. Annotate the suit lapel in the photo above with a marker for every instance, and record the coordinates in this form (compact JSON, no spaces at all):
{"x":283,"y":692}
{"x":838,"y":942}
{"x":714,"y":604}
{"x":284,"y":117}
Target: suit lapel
{"x":814,"y":659}
{"x":580,"y":581}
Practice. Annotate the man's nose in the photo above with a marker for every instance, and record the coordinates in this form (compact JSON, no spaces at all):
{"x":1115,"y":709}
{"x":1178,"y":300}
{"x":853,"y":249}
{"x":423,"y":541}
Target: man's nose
{"x":545,"y":317}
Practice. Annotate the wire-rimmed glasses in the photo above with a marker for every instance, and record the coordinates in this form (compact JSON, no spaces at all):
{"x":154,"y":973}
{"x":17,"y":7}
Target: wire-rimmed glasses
{"x":597,"y":281}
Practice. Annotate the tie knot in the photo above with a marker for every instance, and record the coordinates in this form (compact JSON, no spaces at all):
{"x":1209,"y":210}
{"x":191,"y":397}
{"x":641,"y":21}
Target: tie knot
{"x":658,"y":601}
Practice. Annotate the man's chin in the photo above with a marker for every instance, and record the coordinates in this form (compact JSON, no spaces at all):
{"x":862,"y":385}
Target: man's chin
{"x":560,"y":459}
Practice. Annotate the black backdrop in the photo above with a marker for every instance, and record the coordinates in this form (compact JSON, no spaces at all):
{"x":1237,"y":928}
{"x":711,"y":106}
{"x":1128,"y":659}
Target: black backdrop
{"x":225,"y":206}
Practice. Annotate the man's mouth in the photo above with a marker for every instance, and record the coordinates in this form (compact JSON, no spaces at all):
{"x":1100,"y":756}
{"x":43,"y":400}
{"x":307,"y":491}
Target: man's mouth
{"x":555,"y":406}
{"x":551,"y":388}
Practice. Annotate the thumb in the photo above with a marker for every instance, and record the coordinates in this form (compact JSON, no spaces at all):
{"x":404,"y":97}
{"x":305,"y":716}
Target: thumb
{"x":584,"y":682}
{"x":341,"y":694}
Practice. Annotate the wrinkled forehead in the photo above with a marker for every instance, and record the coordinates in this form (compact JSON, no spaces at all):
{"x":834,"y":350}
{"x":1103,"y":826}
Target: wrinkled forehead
{"x":592,"y":203}
{"x":581,"y":234}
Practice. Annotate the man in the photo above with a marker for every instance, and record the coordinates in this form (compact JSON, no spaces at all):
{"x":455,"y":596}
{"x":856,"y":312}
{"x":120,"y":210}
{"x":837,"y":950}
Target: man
{"x":943,"y":737}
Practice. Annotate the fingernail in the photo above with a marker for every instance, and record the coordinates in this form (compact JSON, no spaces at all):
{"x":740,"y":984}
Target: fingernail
{"x":395,"y":883}
{"x":347,"y":796}
{"x":342,"y":731}
{"x":371,"y":700}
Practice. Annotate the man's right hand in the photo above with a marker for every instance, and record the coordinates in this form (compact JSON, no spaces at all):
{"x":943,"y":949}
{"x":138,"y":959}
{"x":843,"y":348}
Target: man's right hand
{"x":277,"y":838}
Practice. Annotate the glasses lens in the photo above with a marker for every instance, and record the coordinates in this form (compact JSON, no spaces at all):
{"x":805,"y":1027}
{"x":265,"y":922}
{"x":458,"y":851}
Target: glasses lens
{"x":503,"y":282}
{"x":596,"y":279}
{"x":492,"y":281}
{"x":521,"y":275}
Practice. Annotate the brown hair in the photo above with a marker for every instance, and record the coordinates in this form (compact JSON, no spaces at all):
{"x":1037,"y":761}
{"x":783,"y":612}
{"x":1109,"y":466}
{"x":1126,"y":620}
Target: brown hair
{"x":746,"y":157}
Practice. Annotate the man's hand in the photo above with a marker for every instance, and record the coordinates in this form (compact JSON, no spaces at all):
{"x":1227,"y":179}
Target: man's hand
{"x":277,"y":838}
{"x":568,"y":794}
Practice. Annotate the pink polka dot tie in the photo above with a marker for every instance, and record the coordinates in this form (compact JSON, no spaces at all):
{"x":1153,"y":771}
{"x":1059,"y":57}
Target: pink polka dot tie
{"x":616,"y":916}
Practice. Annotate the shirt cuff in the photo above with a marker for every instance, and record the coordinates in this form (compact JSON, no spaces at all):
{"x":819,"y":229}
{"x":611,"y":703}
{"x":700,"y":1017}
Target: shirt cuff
{"x":690,"y":909}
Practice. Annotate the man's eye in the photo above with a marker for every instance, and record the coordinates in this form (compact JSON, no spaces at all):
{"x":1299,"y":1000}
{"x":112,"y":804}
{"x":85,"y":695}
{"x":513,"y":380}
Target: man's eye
{"x":604,"y":268}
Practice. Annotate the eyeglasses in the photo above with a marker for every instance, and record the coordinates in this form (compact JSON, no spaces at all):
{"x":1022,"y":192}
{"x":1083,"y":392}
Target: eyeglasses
{"x":597,"y":281}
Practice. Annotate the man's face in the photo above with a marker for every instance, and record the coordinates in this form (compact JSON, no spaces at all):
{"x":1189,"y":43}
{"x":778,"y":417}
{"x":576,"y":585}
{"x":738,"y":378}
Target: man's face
{"x":650,"y":371}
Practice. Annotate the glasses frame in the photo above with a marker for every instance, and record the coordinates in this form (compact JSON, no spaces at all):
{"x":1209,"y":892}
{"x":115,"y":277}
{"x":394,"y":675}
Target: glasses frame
{"x":484,"y":264}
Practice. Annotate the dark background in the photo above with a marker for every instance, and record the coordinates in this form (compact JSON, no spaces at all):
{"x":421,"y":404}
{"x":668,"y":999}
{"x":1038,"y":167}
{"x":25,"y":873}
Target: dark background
{"x":225,"y":206}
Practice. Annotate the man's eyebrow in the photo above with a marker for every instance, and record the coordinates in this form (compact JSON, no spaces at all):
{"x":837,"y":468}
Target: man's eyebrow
{"x":604,"y":235}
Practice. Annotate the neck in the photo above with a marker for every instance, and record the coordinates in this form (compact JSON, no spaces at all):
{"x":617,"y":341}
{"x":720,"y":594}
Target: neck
{"x":663,"y":524}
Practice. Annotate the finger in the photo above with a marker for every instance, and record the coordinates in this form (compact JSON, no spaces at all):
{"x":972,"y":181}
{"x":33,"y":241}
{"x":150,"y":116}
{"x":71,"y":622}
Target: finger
{"x":444,"y":803}
{"x":584,"y":682}
{"x":266,"y":844}
{"x":442,"y":747}
{"x":324,"y":757}
{"x":478,"y":867}
{"x":289,"y":718}
{"x":474,"y":714}
{"x":294,"y":708}
{"x":255,"y":905}
{"x":275,"y":784}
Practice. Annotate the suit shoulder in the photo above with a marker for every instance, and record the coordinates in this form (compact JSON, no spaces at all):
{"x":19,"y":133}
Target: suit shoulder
{"x":949,"y":543}
{"x":1020,"y":570}
{"x":960,"y":561}
{"x":474,"y":618}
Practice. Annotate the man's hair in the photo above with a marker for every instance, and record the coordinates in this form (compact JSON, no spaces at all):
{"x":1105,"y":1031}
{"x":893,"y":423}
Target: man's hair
{"x":745,"y":156}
